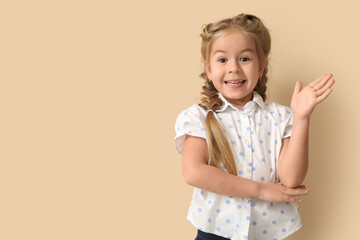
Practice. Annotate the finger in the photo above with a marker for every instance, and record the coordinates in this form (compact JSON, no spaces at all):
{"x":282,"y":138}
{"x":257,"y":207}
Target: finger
{"x":324,"y":96}
{"x":297,"y":192}
{"x":298,"y":87}
{"x":323,"y":81}
{"x":316,"y":81}
{"x":298,"y":187}
{"x":294,"y":200}
{"x":325,"y":88}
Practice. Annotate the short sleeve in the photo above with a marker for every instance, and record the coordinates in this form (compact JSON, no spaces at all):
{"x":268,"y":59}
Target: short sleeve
{"x":189,"y":122}
{"x":286,"y":117}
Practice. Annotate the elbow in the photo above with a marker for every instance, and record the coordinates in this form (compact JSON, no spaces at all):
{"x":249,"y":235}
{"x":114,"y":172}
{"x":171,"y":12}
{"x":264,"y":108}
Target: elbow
{"x":190,"y":176}
{"x":291,"y":179}
{"x":189,"y":180}
{"x":187,"y":177}
{"x":291,"y":183}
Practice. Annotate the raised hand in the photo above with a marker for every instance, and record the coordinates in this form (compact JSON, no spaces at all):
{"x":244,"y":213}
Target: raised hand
{"x":304,"y":100}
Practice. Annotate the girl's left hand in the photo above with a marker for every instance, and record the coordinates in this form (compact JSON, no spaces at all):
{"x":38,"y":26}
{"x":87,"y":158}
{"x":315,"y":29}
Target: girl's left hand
{"x":304,"y":100}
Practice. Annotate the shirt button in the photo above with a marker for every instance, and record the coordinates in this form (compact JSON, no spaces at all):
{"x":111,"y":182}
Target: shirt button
{"x":248,"y":169}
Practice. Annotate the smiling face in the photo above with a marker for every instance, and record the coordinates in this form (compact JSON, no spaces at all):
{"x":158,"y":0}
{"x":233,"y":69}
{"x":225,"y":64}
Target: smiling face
{"x":234,"y":67}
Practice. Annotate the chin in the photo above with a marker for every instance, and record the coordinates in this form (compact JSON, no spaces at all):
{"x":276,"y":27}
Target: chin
{"x":239,"y":96}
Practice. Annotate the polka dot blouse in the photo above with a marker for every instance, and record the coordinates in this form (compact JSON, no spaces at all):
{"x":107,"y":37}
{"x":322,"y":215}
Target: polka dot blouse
{"x":255,"y":134}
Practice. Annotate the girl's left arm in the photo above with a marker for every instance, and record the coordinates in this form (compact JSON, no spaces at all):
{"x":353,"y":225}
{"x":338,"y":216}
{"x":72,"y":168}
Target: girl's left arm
{"x":293,"y":159}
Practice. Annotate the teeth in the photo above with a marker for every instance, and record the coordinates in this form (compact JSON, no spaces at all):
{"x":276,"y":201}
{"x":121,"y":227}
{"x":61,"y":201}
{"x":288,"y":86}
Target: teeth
{"x":234,"y":82}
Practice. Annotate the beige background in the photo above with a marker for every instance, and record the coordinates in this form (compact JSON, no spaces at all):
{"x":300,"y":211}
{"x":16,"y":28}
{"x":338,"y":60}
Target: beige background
{"x":90,"y":91}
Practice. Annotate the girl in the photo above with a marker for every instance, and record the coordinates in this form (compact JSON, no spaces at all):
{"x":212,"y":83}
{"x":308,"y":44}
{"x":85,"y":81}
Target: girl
{"x":246,"y":158}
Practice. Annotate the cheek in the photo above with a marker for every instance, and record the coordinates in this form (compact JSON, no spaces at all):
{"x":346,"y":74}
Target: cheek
{"x":256,"y":74}
{"x":255,"y":71}
{"x":217,"y":71}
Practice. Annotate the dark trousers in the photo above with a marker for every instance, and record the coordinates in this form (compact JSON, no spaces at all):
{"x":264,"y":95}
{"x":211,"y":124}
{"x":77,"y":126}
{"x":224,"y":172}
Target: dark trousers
{"x":208,"y":236}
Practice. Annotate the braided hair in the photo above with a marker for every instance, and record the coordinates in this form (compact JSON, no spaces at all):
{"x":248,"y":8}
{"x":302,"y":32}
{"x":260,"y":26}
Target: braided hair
{"x":220,"y":152}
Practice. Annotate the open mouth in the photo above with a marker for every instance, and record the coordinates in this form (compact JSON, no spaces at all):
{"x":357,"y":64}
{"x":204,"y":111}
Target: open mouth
{"x":234,"y":83}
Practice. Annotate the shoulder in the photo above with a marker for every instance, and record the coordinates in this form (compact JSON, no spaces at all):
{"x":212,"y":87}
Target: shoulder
{"x":193,"y":112}
{"x":277,"y":110}
{"x":191,"y":121}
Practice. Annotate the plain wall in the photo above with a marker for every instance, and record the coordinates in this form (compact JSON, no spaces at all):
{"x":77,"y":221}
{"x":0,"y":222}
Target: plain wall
{"x":89,"y":95}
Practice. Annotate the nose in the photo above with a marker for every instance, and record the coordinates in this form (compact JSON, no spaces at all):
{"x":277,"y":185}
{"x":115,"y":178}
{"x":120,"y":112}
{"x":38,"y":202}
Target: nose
{"x":234,"y":67}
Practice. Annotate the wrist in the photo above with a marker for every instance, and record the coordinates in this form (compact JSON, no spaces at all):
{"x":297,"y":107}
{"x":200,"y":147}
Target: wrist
{"x":258,"y":189}
{"x":300,"y":120}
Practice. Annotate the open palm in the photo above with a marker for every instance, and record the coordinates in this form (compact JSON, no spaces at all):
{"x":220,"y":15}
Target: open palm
{"x":304,"y":100}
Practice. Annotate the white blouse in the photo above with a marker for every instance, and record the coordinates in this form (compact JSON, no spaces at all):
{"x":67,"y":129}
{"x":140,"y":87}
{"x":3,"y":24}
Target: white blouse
{"x":255,"y":135}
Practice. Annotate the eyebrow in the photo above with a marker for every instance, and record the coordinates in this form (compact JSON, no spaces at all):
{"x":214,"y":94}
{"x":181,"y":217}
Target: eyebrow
{"x":244,"y":50}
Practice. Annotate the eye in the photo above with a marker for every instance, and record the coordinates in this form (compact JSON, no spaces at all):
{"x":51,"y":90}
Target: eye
{"x":222,"y":60}
{"x":244,"y":59}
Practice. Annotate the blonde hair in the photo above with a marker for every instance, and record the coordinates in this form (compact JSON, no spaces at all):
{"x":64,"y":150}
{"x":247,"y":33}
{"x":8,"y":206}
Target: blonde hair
{"x":220,"y":152}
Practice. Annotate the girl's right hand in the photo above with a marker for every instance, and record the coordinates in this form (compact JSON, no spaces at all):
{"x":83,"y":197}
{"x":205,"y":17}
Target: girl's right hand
{"x":276,"y":192}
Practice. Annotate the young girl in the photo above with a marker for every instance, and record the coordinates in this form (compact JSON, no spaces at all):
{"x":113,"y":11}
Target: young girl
{"x":246,"y":158}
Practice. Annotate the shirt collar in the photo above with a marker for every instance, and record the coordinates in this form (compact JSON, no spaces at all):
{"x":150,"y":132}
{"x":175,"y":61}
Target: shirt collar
{"x":257,"y":100}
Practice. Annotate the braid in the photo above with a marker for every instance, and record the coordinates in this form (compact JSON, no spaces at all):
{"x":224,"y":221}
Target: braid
{"x":210,"y":98}
{"x":260,"y":87}
{"x":220,"y":152}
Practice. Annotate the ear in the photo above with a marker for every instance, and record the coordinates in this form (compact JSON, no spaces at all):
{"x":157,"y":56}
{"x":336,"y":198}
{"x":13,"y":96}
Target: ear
{"x":207,"y":70}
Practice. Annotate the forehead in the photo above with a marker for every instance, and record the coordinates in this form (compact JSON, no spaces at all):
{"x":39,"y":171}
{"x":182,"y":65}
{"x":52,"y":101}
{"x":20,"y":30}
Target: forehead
{"x":234,"y":40}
